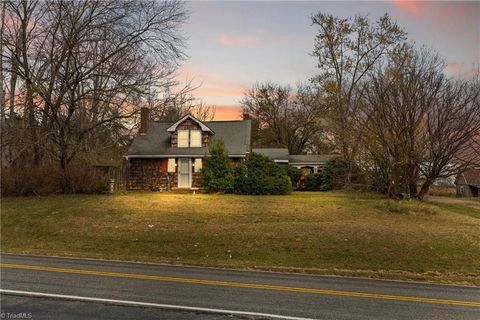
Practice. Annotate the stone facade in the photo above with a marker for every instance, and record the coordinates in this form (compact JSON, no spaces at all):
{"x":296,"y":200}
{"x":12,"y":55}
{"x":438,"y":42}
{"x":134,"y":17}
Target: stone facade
{"x":151,"y":174}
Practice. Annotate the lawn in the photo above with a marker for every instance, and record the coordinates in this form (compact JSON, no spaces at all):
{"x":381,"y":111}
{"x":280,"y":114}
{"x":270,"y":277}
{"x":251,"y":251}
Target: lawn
{"x":343,"y":233}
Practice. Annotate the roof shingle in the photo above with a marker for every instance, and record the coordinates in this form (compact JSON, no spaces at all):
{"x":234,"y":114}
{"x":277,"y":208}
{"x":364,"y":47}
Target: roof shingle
{"x":156,"y":143}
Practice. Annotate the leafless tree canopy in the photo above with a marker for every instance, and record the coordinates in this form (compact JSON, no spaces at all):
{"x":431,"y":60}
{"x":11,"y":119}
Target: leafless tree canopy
{"x":284,"y":118}
{"x":78,"y":71}
{"x":419,"y":124}
{"x":347,"y":50}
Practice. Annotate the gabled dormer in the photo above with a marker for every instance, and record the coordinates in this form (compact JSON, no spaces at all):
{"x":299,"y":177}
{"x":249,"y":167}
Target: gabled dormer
{"x":189,"y":132}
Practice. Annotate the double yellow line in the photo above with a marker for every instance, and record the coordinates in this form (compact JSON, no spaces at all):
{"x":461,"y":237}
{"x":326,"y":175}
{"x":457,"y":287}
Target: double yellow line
{"x":243,"y":285}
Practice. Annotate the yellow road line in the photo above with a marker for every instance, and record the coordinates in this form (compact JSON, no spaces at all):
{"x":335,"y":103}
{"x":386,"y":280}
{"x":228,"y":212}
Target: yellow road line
{"x":243,"y":285}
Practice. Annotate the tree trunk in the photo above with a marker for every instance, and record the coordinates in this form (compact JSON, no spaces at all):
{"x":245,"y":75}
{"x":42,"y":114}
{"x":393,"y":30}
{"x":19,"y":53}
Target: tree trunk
{"x":13,"y":81}
{"x":29,"y":105}
{"x":2,"y":90}
{"x":424,"y":189}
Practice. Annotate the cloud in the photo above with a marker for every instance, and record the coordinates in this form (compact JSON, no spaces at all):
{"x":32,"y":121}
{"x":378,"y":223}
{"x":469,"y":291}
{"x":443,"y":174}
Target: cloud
{"x":241,"y":41}
{"x":228,"y":112}
{"x":220,"y":90}
{"x":212,"y":85}
{"x":236,"y":41}
{"x":414,"y":8}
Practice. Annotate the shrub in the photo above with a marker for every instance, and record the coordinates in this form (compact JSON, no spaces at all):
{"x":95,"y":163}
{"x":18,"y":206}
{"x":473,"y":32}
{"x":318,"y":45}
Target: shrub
{"x":50,"y":179}
{"x":217,"y":174}
{"x":332,"y":176}
{"x":260,"y":175}
{"x":318,"y":182}
{"x":293,"y":173}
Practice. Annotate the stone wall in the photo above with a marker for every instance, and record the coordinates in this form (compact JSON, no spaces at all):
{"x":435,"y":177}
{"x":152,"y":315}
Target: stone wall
{"x":147,"y":174}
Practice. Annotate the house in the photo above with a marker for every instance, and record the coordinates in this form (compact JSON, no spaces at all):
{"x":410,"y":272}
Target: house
{"x":169,"y":155}
{"x":308,"y":163}
{"x":468,"y":183}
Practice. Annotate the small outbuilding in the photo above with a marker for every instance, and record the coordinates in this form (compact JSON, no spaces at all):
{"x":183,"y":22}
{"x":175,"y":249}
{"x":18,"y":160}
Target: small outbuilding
{"x":468,"y":183}
{"x":308,"y":163}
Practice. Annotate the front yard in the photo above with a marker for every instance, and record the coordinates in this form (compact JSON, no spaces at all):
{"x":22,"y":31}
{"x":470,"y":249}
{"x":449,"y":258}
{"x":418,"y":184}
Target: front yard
{"x":330,"y":233}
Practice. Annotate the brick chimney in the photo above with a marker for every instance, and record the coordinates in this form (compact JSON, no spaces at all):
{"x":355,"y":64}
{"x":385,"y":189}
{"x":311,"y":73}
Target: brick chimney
{"x":144,"y":120}
{"x":246,"y":116}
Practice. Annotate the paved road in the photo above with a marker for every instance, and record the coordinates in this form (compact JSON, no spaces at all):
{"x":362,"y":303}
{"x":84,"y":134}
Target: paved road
{"x":293,"y":295}
{"x":45,"y":308}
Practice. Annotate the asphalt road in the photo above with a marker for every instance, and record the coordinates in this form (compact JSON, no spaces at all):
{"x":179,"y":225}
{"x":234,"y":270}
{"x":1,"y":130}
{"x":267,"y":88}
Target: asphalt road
{"x":154,"y":286}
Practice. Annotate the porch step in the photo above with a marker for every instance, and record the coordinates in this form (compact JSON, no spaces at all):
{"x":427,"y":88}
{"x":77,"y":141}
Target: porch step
{"x":187,"y":190}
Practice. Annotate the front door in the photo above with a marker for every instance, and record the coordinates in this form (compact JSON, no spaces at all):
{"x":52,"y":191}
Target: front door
{"x":184,"y":172}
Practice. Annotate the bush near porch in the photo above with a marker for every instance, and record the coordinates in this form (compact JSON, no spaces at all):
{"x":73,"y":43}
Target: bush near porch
{"x":258,"y":175}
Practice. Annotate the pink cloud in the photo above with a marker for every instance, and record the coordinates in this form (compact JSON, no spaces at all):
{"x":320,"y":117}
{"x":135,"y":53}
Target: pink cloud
{"x":220,"y":90}
{"x":453,"y":67}
{"x":414,"y":8}
{"x":243,"y":41}
{"x":236,"y":41}
{"x":213,"y":86}
{"x":230,"y":112}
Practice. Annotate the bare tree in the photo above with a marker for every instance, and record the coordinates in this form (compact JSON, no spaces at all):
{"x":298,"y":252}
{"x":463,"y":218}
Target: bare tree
{"x":419,"y":124}
{"x":284,"y":118}
{"x":175,"y":102}
{"x":347,"y":50}
{"x":2,"y":89}
{"x":89,"y":64}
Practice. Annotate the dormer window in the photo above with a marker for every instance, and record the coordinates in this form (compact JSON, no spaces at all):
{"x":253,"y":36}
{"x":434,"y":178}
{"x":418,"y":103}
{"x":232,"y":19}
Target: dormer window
{"x":189,"y":138}
{"x":189,"y":132}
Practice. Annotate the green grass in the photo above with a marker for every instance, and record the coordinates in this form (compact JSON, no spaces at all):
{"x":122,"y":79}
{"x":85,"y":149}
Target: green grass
{"x":330,"y":233}
{"x":466,"y":206}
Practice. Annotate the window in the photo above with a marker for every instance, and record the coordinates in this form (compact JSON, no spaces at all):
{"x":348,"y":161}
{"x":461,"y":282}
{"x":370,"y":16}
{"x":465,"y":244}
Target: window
{"x":171,"y":165}
{"x":183,"y":138}
{"x":197,"y":165}
{"x":189,"y":138}
{"x":462,"y":190}
{"x":195,"y":138}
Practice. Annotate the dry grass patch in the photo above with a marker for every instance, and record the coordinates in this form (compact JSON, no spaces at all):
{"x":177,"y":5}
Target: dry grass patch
{"x":332,"y":232}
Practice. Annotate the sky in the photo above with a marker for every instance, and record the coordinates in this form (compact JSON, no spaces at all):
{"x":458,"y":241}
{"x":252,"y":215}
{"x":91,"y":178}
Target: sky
{"x":231,"y":45}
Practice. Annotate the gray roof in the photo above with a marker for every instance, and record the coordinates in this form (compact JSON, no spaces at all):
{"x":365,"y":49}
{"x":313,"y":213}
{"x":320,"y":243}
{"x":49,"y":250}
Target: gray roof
{"x":311,"y":158}
{"x":280,"y":154}
{"x":273,"y":153}
{"x":156,"y":143}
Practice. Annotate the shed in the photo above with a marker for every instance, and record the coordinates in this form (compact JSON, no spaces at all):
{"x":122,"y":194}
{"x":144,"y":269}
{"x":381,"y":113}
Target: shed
{"x":468,"y":183}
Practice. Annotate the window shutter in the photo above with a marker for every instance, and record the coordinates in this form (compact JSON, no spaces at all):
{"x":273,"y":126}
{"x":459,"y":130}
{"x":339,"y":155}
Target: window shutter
{"x":195,"y":138}
{"x":182,"y":138}
{"x":164,"y":165}
{"x":171,"y":165}
{"x":198,"y":164}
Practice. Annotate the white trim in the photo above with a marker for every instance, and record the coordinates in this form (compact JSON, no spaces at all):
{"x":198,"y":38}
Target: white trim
{"x":146,"y":304}
{"x":307,"y":163}
{"x":204,"y":127}
{"x":189,"y":173}
{"x":280,"y":161}
{"x":180,"y":156}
